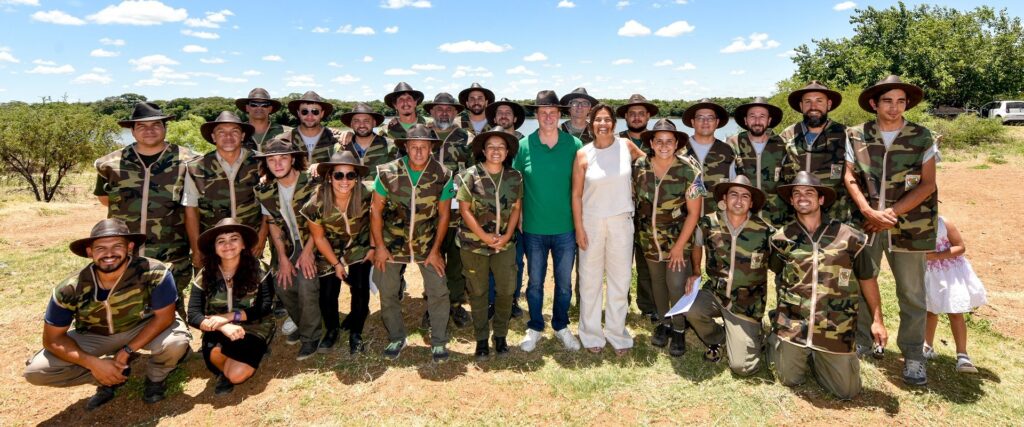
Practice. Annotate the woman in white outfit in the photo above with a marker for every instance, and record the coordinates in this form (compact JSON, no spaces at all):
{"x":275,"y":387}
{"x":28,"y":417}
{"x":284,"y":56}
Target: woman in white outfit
{"x":602,"y":210}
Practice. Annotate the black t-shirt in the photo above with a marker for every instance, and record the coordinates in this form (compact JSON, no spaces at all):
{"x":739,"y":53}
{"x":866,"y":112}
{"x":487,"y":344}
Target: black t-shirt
{"x":101,"y":181}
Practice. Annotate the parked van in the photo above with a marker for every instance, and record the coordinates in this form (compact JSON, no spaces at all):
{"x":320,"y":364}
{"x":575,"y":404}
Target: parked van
{"x":1008,"y":111}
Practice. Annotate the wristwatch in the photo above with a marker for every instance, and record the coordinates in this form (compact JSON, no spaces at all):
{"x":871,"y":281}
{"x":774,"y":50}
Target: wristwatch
{"x":127,"y":349}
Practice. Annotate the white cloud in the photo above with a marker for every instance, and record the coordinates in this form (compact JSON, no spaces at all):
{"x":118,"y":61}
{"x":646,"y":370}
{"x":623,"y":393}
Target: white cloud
{"x":200,"y":23}
{"x":632,"y":28}
{"x":273,"y":58}
{"x":663,"y":63}
{"x":846,"y":5}
{"x":164,"y":72}
{"x":367,"y":58}
{"x":398,"y":4}
{"x":363,"y":31}
{"x":622,"y":61}
{"x":219,"y":17}
{"x":6,"y":56}
{"x":399,"y":72}
{"x":232,"y":79}
{"x":150,"y":82}
{"x":201,"y":34}
{"x":300,"y":80}
{"x":251,"y":73}
{"x":675,"y":29}
{"x":680,"y":2}
{"x":334,"y":64}
{"x":686,"y":67}
{"x":92,"y":78}
{"x":100,"y":53}
{"x":737,"y":72}
{"x":212,"y":20}
{"x":466,"y":46}
{"x":520,"y":69}
{"x":321,"y":30}
{"x":193,"y":48}
{"x":99,"y":70}
{"x":787,"y":54}
{"x":690,"y":83}
{"x":51,"y":69}
{"x":757,"y":41}
{"x":566,"y":4}
{"x":391,"y":30}
{"x":534,"y":57}
{"x":150,"y":62}
{"x":43,"y":62}
{"x":111,"y":42}
{"x":57,"y":17}
{"x":467,"y":71}
{"x":428,"y":67}
{"x":345,"y":79}
{"x":142,"y":12}
{"x":212,"y":60}
{"x":622,"y":4}
{"x":20,"y":2}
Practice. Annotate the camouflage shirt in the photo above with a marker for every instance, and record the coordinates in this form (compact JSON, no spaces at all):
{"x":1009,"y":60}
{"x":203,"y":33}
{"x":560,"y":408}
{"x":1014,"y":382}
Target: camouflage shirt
{"x":825,"y":159}
{"x":349,"y":235}
{"x":661,"y":204}
{"x":737,"y":263}
{"x":585,"y":136}
{"x":148,"y":199}
{"x":636,"y":141}
{"x":765,"y":171}
{"x":255,"y":304}
{"x":490,"y":203}
{"x":269,"y":196}
{"x":393,"y":129}
{"x":721,"y":159}
{"x":886,"y":175}
{"x":255,"y":142}
{"x":323,"y":148}
{"x":220,"y":197}
{"x":410,"y":211}
{"x":818,"y":294}
{"x":463,"y":122}
{"x":127,"y":305}
{"x":380,"y":151}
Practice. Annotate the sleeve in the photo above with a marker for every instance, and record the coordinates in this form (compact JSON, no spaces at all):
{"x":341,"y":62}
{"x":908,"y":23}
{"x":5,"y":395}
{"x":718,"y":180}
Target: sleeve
{"x":517,"y":162}
{"x":849,"y":151}
{"x":448,"y":192}
{"x":263,"y":210}
{"x":99,"y":189}
{"x":196,"y":305}
{"x":190,"y":196}
{"x":932,"y":152}
{"x":311,"y":212}
{"x":264,"y":299}
{"x":379,"y":186}
{"x":57,"y":316}
{"x":165,"y":293}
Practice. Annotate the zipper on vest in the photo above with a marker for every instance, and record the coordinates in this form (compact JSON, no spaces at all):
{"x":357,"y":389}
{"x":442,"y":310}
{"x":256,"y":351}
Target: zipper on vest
{"x":147,"y":175}
{"x":412,"y":216}
{"x":654,"y":213}
{"x":883,"y":183}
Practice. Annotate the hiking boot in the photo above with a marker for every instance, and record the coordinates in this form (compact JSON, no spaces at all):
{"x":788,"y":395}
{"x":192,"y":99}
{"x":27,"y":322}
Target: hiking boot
{"x":678,"y":346}
{"x":154,"y":391}
{"x":660,"y":336}
{"x":439,"y":353}
{"x":327,"y":343}
{"x":224,"y":386}
{"x":307,"y":350}
{"x":425,"y":323}
{"x":459,"y":315}
{"x":293,"y":338}
{"x":569,"y":340}
{"x":714,"y":353}
{"x":394,"y":349}
{"x":914,"y":373}
{"x":516,"y":311}
{"x":482,"y":351}
{"x":500,"y":346}
{"x":103,"y":395}
{"x":355,"y":344}
{"x":289,"y":327}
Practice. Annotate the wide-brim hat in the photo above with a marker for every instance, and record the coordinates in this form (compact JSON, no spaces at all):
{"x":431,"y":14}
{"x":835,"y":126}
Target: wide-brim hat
{"x":226,"y":225}
{"x":664,"y":125}
{"x":225,"y":117}
{"x":400,"y":89}
{"x":311,"y":98}
{"x":361,"y":108}
{"x":756,"y":195}
{"x":464,"y":94}
{"x":480,"y":140}
{"x":723,"y":116}
{"x":280,"y":144}
{"x":580,"y":92}
{"x":258,"y":94}
{"x":797,"y":95}
{"x":914,"y":93}
{"x":517,"y":109}
{"x":636,"y":99}
{"x":110,"y":227}
{"x":740,"y":114}
{"x":443,"y":98}
{"x":803,"y":178}
{"x":343,"y":157}
{"x":546,"y":98}
{"x":419,"y":132}
{"x":145,"y":112}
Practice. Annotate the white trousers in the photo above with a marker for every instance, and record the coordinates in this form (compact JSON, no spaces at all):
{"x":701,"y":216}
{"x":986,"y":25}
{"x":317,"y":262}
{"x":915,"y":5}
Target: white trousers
{"x":609,"y":255}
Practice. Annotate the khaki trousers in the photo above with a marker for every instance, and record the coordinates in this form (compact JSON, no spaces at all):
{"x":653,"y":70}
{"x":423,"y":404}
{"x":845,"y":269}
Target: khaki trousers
{"x":908,"y":272}
{"x":839,"y":374}
{"x":389,"y":283}
{"x":742,"y":337}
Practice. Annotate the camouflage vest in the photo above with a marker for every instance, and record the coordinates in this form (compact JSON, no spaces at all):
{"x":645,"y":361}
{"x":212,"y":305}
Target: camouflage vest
{"x":455,"y":155}
{"x":765,"y":172}
{"x":269,"y":196}
{"x":219,"y":197}
{"x":637,"y":142}
{"x":323,"y":148}
{"x":380,"y":151}
{"x":826,"y":160}
{"x":149,"y":199}
{"x":737,"y":265}
{"x":491,"y":206}
{"x":885,"y":176}
{"x":818,"y":295}
{"x":411,"y":210}
{"x":585,"y":136}
{"x":715,"y":169}
{"x":218,"y":301}
{"x":393,"y":129}
{"x":463,"y":122}
{"x":349,"y":236}
{"x":255,"y":142}
{"x":127,"y":305}
{"x":661,"y":204}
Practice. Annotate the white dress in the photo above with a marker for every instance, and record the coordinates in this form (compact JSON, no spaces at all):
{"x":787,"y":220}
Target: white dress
{"x":950,"y":284}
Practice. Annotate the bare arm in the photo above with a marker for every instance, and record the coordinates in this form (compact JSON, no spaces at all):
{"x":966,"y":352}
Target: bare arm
{"x":261,"y":239}
{"x":876,"y":220}
{"x":579,"y":171}
{"x":104,"y":200}
{"x":192,"y":229}
{"x":956,"y":241}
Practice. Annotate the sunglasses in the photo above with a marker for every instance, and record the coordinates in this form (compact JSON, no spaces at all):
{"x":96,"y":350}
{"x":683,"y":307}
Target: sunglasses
{"x":259,"y":104}
{"x":306,"y":112}
{"x":351,"y":176}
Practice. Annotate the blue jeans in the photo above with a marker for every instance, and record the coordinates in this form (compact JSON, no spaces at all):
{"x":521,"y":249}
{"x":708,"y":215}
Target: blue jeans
{"x":563,"y":252}
{"x":519,"y":273}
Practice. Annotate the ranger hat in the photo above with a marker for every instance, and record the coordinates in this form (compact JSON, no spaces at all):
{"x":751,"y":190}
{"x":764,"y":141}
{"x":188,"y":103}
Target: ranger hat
{"x":636,"y":99}
{"x":281,"y":144}
{"x":914,"y":93}
{"x":110,"y":227}
{"x":144,"y":112}
{"x":343,"y":157}
{"x":756,"y":195}
{"x":797,"y":95}
{"x":546,"y":98}
{"x":226,"y":225}
{"x":480,"y":141}
{"x":580,"y":92}
{"x":808,"y":180}
{"x":517,"y":109}
{"x":225,"y":117}
{"x":443,"y":98}
{"x":664,"y":125}
{"x":419,"y":132}
{"x":464,"y":95}
{"x":400,"y":89}
{"x":723,"y":116}
{"x":740,"y":114}
{"x":311,"y":98}
{"x":361,"y":108}
{"x":258,"y":94}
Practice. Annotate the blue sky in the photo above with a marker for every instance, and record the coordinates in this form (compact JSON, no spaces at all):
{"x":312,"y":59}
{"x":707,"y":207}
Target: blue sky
{"x":358,"y":50}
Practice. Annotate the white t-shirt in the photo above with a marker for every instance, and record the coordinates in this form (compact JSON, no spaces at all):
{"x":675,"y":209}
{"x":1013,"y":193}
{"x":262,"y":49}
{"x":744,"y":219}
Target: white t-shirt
{"x":285,"y":196}
{"x":311,"y":141}
{"x":478,"y":126}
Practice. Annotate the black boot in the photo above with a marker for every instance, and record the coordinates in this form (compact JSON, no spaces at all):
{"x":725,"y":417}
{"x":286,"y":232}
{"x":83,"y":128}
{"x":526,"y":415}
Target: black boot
{"x":678,"y":346}
{"x":482,"y":352}
{"x":500,"y":346}
{"x":327,"y":343}
{"x":355,"y":343}
{"x":103,"y":395}
{"x":154,"y":391}
{"x":660,"y":336}
{"x":224,"y":386}
{"x":517,"y":312}
{"x":459,"y":315}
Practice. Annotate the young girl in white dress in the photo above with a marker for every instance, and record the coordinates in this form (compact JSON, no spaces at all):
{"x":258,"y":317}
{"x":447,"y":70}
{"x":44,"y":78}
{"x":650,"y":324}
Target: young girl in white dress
{"x":952,"y":288}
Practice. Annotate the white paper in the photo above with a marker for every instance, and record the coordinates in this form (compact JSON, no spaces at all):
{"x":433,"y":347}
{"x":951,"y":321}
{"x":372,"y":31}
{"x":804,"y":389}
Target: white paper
{"x":373,"y":286}
{"x":684,"y":303}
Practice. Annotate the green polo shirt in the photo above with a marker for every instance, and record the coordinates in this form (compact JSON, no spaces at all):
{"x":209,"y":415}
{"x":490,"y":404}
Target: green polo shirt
{"x":547,"y":176}
{"x":447,"y":193}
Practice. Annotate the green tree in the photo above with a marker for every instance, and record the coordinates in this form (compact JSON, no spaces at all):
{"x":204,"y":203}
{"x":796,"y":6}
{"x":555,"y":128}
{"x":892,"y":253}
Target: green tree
{"x":185,"y":132}
{"x":42,"y":143}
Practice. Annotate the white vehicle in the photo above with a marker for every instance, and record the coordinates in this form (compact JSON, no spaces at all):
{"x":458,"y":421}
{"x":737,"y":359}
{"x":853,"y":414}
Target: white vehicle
{"x":1008,"y":111}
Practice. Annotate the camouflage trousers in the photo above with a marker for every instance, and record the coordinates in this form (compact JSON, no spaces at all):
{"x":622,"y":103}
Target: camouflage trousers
{"x":908,"y":270}
{"x":478,"y":267}
{"x":742,"y":337}
{"x":45,"y":368}
{"x":837,"y":373}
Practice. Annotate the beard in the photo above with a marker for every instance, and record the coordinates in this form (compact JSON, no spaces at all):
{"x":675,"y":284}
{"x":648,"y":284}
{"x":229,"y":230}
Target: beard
{"x":443,"y":124}
{"x":363,"y":133}
{"x":111,"y":269}
{"x":815,"y":121}
{"x":476,"y":109}
{"x":757,"y":130}
{"x":507,"y":124}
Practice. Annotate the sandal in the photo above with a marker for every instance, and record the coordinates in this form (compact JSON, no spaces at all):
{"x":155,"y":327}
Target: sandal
{"x":929,"y":352}
{"x":714,"y":353}
{"x":964,"y":365}
{"x":595,"y":350}
{"x":621,"y":352}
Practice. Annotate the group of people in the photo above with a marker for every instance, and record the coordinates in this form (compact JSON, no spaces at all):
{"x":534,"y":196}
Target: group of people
{"x":465,"y":196}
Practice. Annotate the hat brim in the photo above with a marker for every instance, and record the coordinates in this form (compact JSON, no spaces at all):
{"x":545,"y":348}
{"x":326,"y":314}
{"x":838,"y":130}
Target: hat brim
{"x":265,"y":154}
{"x":293,"y":107}
{"x":914,"y":95}
{"x":492,"y":110}
{"x":560,"y":107}
{"x":131,"y":122}
{"x":346,"y":118}
{"x":206,"y":130}
{"x":464,"y":95}
{"x":797,"y":95}
{"x":723,"y":116}
{"x":681,"y":137}
{"x":651,"y":109}
{"x":757,"y":196}
{"x":390,"y":98}
{"x":323,"y":168}
{"x":429,"y":105}
{"x":241,"y":103}
{"x":786,"y":193}
{"x":78,"y":247}
{"x":480,"y":140}
{"x":207,"y":238}
{"x":774,"y":114}
{"x":568,"y":98}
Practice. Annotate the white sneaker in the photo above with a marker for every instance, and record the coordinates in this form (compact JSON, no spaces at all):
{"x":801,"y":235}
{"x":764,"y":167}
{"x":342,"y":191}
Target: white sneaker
{"x":568,"y":339}
{"x":529,"y":342}
{"x":289,"y":327}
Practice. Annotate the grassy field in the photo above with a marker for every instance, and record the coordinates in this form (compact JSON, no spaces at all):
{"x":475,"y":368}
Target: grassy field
{"x":547,"y":386}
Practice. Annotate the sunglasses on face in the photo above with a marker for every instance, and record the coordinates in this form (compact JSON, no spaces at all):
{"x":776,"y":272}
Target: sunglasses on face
{"x":259,"y":104}
{"x":351,"y":176}
{"x":306,"y":112}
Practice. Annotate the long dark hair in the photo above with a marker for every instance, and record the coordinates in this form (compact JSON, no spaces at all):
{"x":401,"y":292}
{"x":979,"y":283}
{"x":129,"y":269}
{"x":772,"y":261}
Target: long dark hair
{"x":246,"y":279}
{"x":325,"y":197}
{"x":593,"y":113}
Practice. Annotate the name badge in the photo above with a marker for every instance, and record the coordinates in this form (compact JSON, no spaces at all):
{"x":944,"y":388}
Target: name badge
{"x":778,"y":175}
{"x":911,"y":181}
{"x":844,"y":276}
{"x":756,"y":260}
{"x":837,"y":171}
